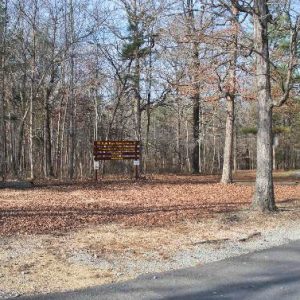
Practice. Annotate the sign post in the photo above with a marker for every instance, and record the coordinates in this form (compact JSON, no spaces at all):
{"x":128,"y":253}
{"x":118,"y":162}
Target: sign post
{"x":136,"y":164}
{"x":96,"y":168}
{"x":117,"y":150}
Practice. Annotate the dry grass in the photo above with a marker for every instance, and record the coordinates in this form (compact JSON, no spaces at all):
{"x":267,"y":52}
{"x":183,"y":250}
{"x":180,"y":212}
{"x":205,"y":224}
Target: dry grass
{"x":110,"y":253}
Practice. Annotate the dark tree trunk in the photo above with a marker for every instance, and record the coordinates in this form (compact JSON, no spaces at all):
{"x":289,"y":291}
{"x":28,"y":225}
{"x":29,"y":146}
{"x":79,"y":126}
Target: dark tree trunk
{"x":72,"y":101}
{"x":49,"y":167}
{"x":195,"y":84}
{"x":48,"y":143}
{"x":196,"y":112}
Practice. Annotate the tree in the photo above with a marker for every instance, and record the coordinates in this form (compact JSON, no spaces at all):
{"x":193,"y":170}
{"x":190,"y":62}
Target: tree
{"x":230,"y":95}
{"x":264,"y":199}
{"x":3,"y":22}
{"x":136,"y":49}
{"x":195,"y":80}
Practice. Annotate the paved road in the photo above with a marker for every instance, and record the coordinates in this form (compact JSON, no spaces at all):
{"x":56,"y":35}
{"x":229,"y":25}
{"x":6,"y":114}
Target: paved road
{"x":270,"y":274}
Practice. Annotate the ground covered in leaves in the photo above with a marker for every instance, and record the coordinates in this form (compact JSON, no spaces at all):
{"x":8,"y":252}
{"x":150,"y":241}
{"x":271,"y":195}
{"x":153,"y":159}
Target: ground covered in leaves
{"x":153,"y":202}
{"x":59,"y":236}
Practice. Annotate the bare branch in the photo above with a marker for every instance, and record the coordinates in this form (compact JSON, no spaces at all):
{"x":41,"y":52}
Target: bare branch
{"x":287,"y":86}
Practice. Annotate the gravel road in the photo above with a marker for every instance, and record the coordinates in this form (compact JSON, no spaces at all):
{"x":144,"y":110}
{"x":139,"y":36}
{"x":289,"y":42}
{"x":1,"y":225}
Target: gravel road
{"x":198,"y":253}
{"x":269,"y":274}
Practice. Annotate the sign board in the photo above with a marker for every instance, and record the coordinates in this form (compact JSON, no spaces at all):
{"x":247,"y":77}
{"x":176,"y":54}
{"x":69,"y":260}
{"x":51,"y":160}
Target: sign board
{"x":116,"y":150}
{"x":96,"y":165}
{"x":136,"y":162}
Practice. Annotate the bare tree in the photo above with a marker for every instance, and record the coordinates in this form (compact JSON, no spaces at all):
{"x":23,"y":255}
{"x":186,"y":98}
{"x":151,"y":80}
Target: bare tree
{"x":230,"y":98}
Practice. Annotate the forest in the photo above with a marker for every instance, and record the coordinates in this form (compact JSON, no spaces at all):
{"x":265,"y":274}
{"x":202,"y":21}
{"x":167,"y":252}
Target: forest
{"x":149,"y":149}
{"x":207,"y":87}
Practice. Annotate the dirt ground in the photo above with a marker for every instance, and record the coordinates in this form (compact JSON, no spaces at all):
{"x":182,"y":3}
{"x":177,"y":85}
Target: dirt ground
{"x":58,"y":236}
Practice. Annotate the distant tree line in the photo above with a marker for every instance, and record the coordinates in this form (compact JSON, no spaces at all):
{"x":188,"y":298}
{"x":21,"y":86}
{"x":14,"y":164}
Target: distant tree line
{"x":206,"y":86}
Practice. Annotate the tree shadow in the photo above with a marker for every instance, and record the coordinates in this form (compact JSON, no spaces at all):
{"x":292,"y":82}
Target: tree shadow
{"x":52,"y":218}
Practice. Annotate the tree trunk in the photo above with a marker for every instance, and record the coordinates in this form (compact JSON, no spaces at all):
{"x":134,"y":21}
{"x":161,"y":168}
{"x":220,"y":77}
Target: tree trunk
{"x":230,"y":98}
{"x":195,"y":84}
{"x":73,"y":131}
{"x":32,"y":90}
{"x":138,"y":111}
{"x":187,"y":147}
{"x":228,"y":148}
{"x":200,"y":140}
{"x":264,"y":190}
{"x":49,"y":170}
{"x":2,"y":92}
{"x":196,"y":113}
{"x":274,"y":157}
{"x":178,"y":138}
{"x":214,"y":144}
{"x":2,"y":132}
{"x":235,"y":165}
{"x":31,"y":132}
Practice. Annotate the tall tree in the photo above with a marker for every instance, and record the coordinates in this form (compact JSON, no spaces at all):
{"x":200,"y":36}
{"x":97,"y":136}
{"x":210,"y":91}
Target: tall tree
{"x":195,"y":79}
{"x":70,"y":41}
{"x":230,"y":95}
{"x":3,"y":19}
{"x":136,"y":49}
{"x":264,"y":199}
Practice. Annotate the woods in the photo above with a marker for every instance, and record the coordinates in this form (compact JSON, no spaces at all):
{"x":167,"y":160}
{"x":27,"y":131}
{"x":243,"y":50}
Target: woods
{"x":207,"y":87}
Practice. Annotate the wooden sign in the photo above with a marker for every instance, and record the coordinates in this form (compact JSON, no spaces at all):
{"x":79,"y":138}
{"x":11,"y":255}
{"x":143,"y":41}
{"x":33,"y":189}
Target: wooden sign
{"x":116,"y":150}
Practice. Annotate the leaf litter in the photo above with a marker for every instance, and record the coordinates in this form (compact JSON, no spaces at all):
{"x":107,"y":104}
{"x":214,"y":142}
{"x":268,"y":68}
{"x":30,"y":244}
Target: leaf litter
{"x":68,"y":236}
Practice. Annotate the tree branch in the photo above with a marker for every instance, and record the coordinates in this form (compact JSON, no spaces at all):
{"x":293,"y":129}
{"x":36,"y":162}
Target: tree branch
{"x":287,"y":86}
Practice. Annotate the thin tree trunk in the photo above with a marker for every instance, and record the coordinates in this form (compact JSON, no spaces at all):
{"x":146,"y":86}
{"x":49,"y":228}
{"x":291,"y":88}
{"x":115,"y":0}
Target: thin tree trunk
{"x":274,"y":157}
{"x":178,"y":138}
{"x":73,"y":131}
{"x":32,"y":91}
{"x":49,"y":164}
{"x":3,"y":159}
{"x":138,"y":111}
{"x":31,"y":133}
{"x":187,"y":147}
{"x":227,"y":162}
{"x":200,"y":140}
{"x":96,"y":117}
{"x":62,"y":140}
{"x":57,"y":154}
{"x":235,"y":166}
{"x":214,"y":144}
{"x":230,"y":98}
{"x":204,"y":143}
{"x":44,"y":157}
